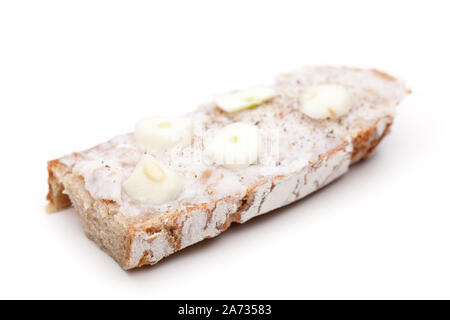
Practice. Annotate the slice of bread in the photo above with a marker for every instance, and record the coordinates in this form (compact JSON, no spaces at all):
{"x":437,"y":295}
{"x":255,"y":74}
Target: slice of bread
{"x":309,"y":154}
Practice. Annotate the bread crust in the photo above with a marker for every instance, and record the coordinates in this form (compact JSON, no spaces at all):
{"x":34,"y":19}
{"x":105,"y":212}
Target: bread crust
{"x":57,"y":200}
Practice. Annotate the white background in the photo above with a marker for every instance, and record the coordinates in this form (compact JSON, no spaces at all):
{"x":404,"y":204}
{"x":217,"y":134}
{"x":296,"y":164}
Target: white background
{"x":76,"y":73}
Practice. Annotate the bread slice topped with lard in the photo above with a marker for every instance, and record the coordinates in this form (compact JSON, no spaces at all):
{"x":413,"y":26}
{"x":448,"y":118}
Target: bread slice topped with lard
{"x":175,"y":181}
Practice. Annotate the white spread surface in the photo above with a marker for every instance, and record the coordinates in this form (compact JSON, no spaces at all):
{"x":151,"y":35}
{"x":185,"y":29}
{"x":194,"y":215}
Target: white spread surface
{"x":289,"y":141}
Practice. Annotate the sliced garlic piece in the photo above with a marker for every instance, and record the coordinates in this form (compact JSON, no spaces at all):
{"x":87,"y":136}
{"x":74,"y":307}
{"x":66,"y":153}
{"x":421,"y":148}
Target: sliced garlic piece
{"x":234,"y":146}
{"x":153,"y":183}
{"x":244,"y":99}
{"x":326,"y":101}
{"x":162,"y":133}
{"x":153,"y":171}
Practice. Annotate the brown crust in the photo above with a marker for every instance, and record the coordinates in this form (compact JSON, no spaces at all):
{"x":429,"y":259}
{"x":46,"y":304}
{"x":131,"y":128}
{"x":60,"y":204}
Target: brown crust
{"x":384,"y":75}
{"x":388,"y":77}
{"x":366,"y":141}
{"x":57,"y":199}
{"x":327,"y":155}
